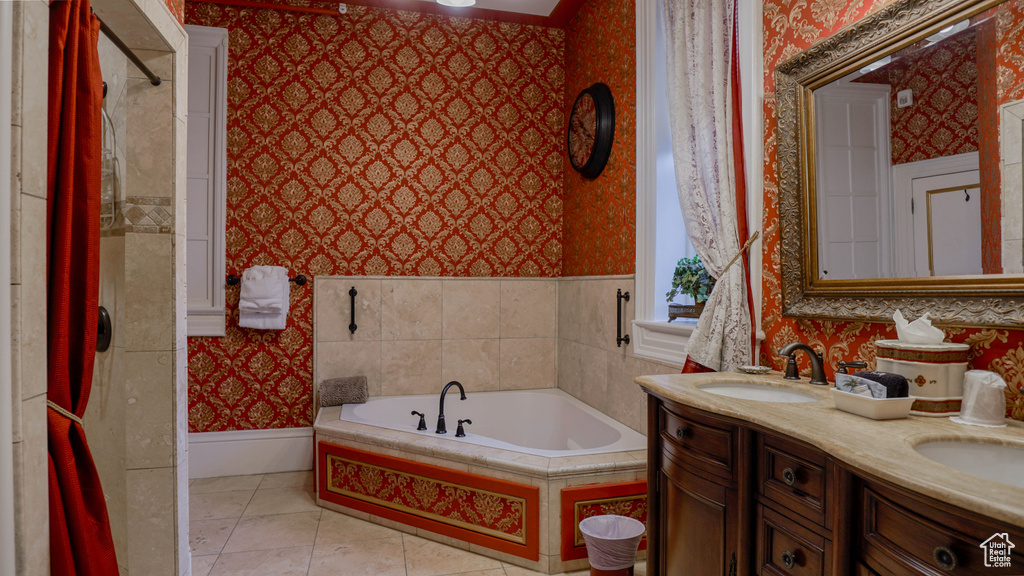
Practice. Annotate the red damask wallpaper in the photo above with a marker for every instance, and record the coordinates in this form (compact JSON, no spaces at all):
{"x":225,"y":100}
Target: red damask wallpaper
{"x":599,"y":232}
{"x":789,"y":27}
{"x":381,"y":142}
{"x":177,"y":7}
{"x":943,"y":120}
{"x":1010,"y":65}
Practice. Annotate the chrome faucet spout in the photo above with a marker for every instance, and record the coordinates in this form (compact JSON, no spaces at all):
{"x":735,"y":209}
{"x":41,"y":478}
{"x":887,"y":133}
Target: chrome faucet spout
{"x":817,"y":362}
{"x":441,"y":429}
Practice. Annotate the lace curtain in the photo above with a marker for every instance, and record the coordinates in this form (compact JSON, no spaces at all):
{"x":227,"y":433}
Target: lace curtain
{"x":699,"y":35}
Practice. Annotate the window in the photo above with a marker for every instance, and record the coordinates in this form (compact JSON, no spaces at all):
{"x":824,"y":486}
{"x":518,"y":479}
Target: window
{"x":660,"y":233}
{"x":207,"y":179}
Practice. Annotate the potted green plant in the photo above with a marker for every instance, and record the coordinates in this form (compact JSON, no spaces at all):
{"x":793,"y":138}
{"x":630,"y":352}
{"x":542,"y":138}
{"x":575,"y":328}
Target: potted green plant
{"x":690,"y":278}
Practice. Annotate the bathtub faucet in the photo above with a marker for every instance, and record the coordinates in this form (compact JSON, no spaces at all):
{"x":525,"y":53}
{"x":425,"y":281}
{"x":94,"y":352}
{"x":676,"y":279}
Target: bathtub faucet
{"x":440,"y":413}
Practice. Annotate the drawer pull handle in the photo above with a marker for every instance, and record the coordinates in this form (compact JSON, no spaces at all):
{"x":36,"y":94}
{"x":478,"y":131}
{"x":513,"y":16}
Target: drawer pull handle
{"x":788,"y":560}
{"x":789,"y":476}
{"x":945,"y":558}
{"x":683,"y":432}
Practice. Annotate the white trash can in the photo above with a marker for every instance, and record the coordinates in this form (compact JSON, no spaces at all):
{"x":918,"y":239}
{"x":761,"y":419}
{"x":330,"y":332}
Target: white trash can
{"x":611,"y":543}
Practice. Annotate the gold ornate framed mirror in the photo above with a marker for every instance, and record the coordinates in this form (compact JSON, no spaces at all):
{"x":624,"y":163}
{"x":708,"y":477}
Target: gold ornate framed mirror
{"x":899,"y":158}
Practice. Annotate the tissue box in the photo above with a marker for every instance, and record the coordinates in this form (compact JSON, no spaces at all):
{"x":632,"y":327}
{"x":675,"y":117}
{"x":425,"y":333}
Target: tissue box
{"x":935,"y":372}
{"x":874,"y":408}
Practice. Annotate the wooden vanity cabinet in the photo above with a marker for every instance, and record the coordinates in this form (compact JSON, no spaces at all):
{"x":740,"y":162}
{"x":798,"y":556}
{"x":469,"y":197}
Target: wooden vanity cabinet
{"x":787,"y":547}
{"x":798,"y":488}
{"x":700,"y":523}
{"x":797,"y":477}
{"x":902,"y":533}
{"x":727,"y":498}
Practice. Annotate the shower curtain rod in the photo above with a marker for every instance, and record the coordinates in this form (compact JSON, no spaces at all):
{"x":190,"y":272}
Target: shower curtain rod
{"x":153,"y":78}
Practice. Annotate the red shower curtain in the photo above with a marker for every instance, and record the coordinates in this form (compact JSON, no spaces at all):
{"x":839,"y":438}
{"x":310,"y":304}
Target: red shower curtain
{"x":80,"y":540}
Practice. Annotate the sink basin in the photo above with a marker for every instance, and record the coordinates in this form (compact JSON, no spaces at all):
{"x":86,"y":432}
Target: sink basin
{"x":1004,"y":464}
{"x":758,"y":392}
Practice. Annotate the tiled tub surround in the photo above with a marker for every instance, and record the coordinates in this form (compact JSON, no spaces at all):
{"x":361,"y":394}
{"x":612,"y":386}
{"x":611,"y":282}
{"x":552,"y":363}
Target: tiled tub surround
{"x":591,"y":366}
{"x":496,"y":514}
{"x":453,"y":462}
{"x":416,"y":334}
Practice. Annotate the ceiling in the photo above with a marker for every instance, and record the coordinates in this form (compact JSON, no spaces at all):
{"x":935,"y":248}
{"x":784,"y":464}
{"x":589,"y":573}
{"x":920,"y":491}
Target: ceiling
{"x":556,"y":13}
{"x":534,"y":7}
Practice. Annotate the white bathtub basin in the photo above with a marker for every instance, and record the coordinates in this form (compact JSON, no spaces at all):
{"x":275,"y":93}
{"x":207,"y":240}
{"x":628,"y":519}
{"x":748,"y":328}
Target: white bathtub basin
{"x":1004,"y":464}
{"x":758,"y":392}
{"x":545,"y":422}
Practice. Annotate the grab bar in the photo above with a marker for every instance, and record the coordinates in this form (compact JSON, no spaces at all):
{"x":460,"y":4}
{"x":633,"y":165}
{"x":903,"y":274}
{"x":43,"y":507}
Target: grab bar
{"x":352,"y":323}
{"x":619,"y":337}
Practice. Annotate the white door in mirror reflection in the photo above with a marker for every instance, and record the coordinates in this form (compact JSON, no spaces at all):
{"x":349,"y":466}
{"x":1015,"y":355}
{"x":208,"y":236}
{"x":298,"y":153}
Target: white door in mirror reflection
{"x":947,"y":224}
{"x":853,"y":184}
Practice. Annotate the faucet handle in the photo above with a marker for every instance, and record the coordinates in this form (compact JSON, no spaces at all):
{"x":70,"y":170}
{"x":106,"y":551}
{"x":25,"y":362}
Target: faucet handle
{"x":792,"y":371}
{"x":818,"y":372}
{"x":423,"y":423}
{"x":460,"y":432}
{"x":858,"y":364}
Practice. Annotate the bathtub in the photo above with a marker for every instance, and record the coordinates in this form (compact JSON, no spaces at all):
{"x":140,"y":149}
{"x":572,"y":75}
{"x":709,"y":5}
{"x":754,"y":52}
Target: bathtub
{"x":533,"y":463}
{"x":541,"y":422}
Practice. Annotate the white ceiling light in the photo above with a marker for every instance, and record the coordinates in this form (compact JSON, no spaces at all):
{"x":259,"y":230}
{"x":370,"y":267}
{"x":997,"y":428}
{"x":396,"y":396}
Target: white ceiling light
{"x":456,"y":3}
{"x":949,"y":31}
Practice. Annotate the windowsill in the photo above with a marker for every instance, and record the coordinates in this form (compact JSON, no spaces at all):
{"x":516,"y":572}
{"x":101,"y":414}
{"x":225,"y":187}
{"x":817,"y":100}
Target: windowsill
{"x":206,"y":322}
{"x":663,"y":341}
{"x":683,"y":326}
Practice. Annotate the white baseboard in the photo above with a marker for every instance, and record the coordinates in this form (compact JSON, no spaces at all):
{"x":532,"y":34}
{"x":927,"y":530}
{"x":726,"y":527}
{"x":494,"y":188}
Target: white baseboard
{"x":242,"y":452}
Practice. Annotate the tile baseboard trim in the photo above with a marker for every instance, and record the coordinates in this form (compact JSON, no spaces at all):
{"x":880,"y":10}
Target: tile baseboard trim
{"x":244,"y":452}
{"x":602,"y":277}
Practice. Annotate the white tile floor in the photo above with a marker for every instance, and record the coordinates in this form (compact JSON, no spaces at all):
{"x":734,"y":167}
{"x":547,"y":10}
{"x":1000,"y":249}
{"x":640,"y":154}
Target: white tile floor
{"x":270,"y":525}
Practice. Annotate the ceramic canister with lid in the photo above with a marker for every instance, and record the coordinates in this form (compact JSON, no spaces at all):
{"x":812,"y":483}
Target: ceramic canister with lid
{"x":935,"y":371}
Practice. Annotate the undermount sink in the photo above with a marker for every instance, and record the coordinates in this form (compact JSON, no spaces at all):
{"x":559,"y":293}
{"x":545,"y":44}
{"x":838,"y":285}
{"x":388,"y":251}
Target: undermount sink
{"x":758,"y":392}
{"x":1003,"y":464}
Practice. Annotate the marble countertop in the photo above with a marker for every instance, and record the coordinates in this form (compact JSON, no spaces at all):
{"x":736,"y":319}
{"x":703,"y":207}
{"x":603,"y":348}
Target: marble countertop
{"x":883,"y":448}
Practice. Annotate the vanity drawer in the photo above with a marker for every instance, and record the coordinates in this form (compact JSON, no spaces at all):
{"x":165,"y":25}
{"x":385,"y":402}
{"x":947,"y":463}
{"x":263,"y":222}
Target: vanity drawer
{"x":795,"y":476}
{"x":902,"y":535}
{"x":786,"y":548}
{"x":700,"y":442}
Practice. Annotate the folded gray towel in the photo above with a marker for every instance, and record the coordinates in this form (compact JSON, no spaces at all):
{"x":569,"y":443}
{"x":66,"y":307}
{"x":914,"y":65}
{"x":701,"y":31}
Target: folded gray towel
{"x":347,"y":390}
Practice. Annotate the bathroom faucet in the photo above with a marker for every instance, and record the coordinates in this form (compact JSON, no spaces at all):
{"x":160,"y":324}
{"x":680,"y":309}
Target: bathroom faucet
{"x":440,"y":413}
{"x":817,"y":362}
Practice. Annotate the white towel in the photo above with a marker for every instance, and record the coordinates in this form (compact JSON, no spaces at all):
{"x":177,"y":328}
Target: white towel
{"x":264,"y":289}
{"x":263,"y":298}
{"x":263,"y":321}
